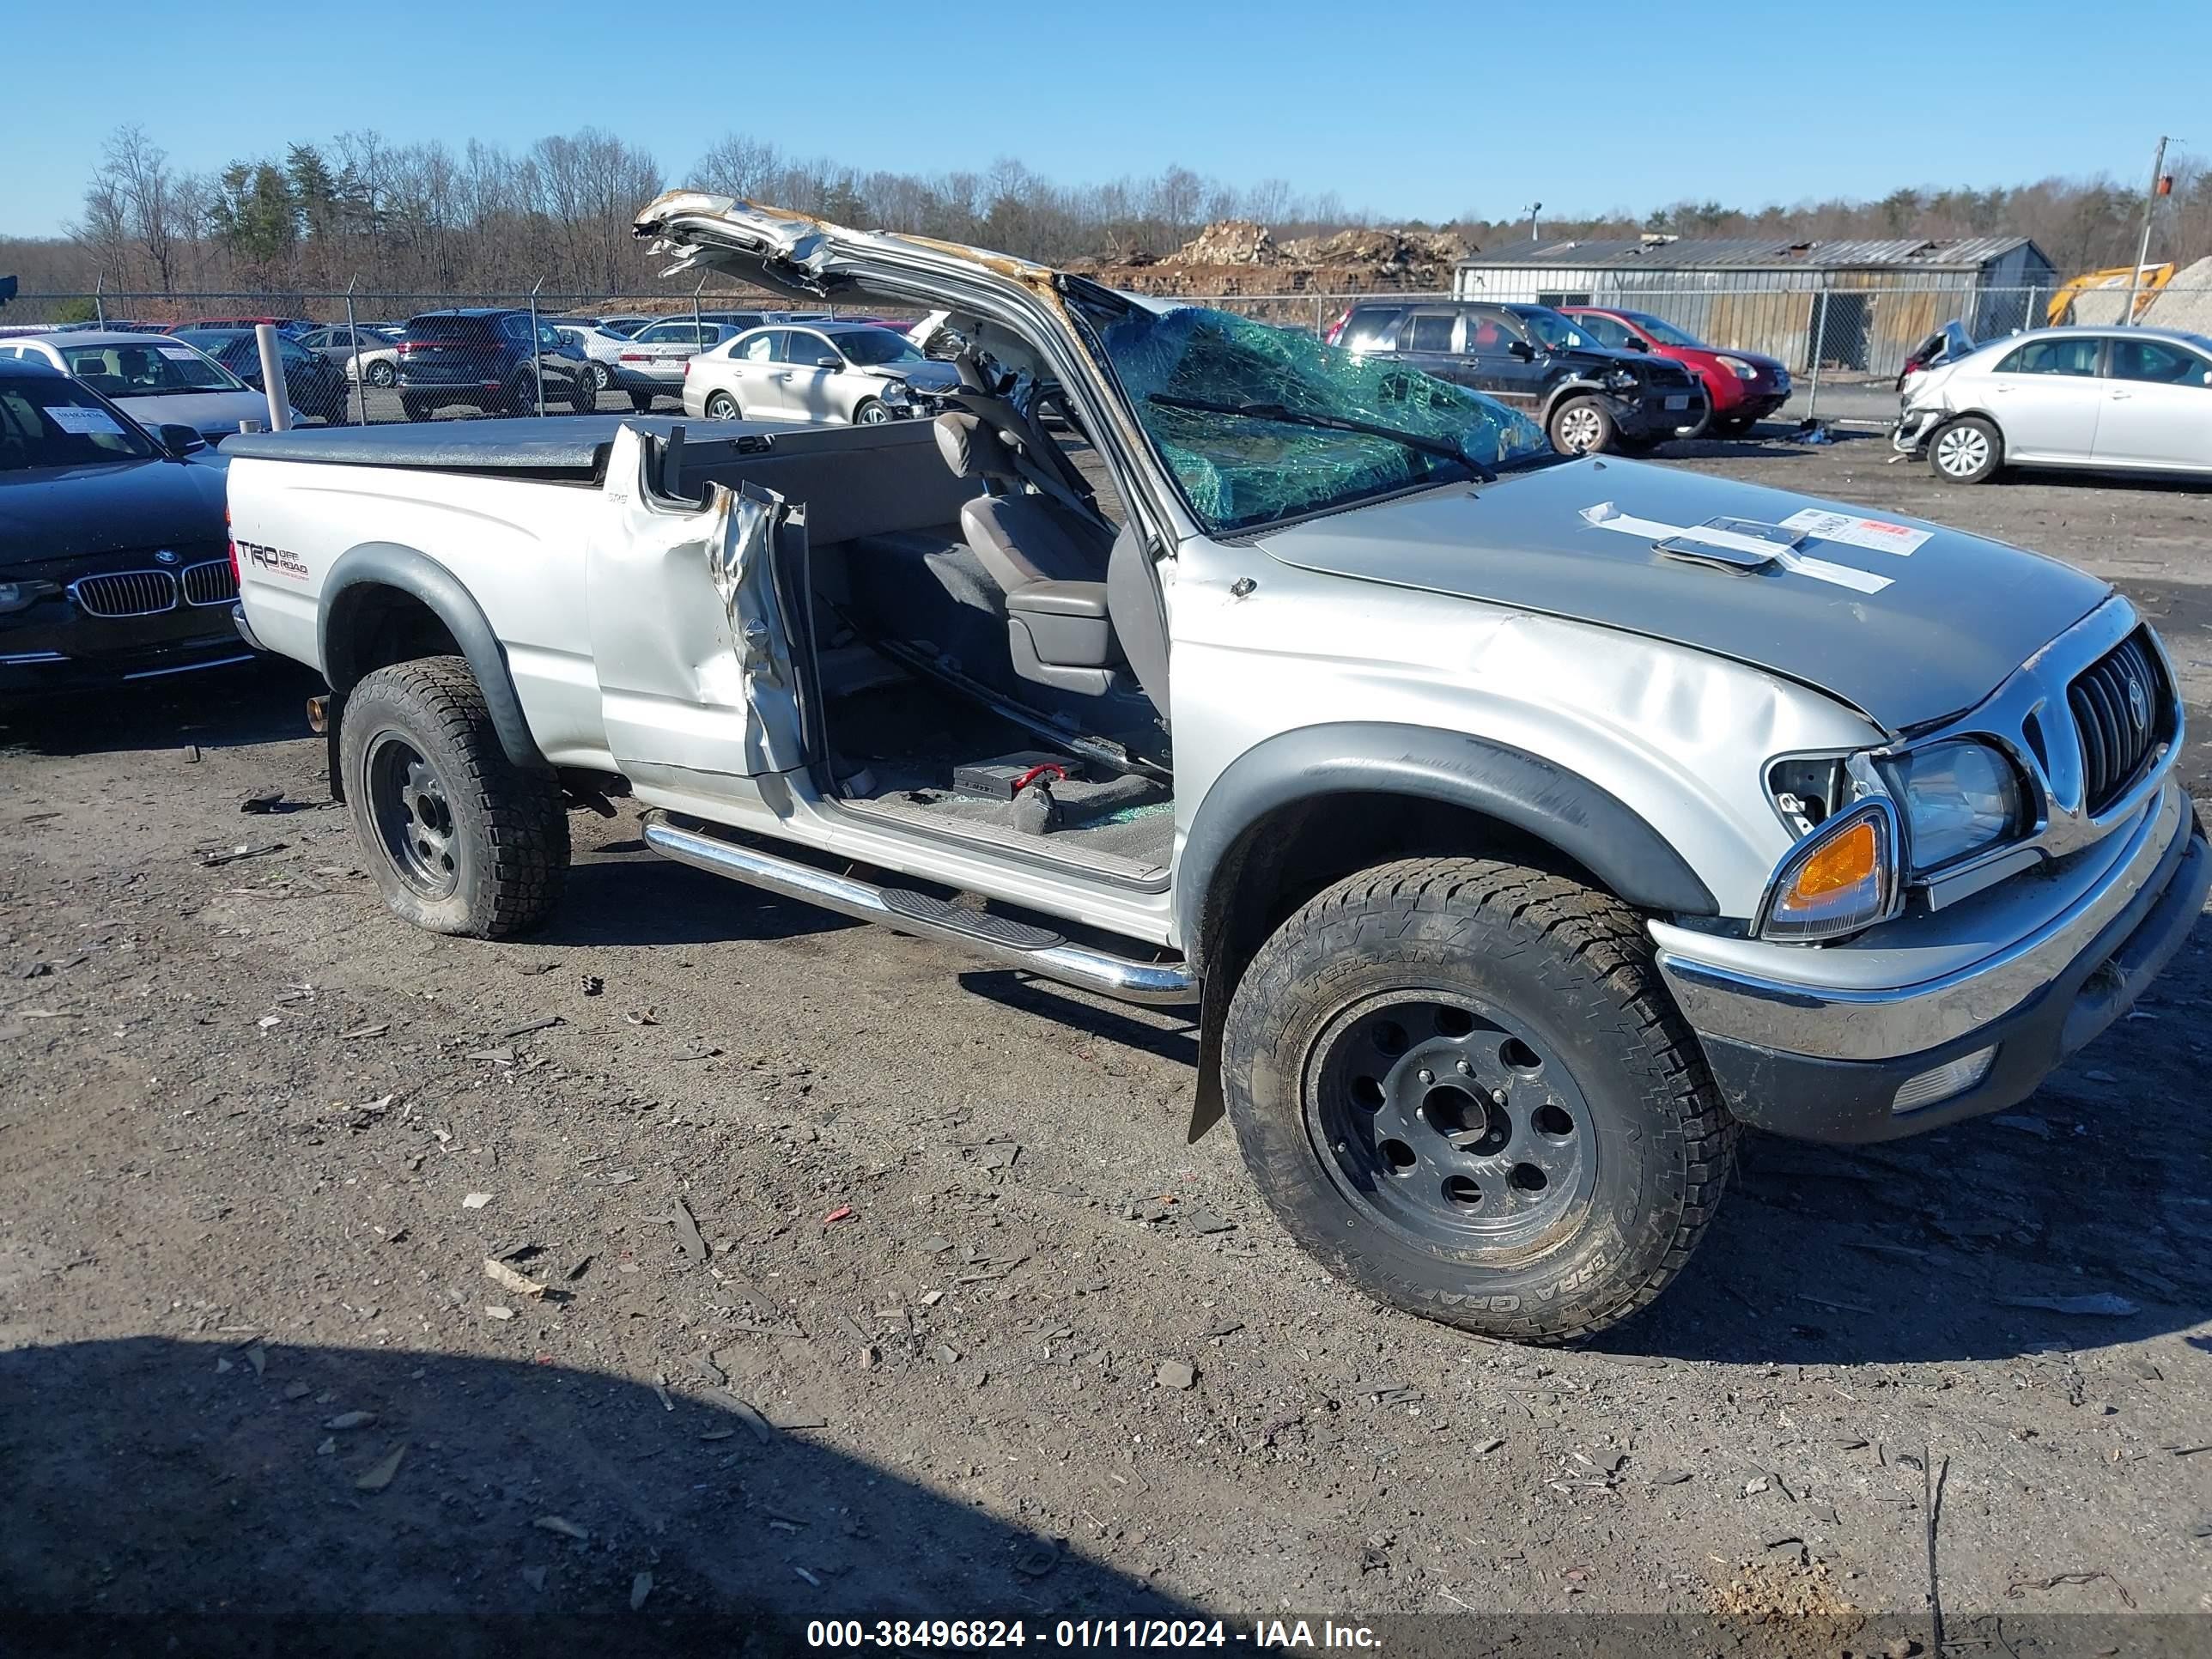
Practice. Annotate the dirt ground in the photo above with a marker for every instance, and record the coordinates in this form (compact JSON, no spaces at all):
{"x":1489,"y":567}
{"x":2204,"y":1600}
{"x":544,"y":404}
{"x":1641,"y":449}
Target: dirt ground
{"x":867,"y":1274}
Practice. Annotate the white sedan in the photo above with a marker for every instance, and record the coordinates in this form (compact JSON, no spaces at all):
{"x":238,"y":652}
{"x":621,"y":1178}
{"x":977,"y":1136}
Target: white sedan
{"x":2122,"y":399}
{"x":651,"y":362}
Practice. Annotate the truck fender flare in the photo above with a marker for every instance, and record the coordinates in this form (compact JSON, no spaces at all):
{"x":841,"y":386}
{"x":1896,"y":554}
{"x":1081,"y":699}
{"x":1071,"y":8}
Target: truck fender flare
{"x":414,"y":573}
{"x":1537,"y":796}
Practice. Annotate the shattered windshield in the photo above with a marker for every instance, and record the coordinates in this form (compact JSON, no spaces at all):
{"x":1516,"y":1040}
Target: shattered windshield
{"x":1253,"y":459}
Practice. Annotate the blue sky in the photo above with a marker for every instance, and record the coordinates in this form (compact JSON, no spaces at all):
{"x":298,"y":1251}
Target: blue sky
{"x":1414,"y":109}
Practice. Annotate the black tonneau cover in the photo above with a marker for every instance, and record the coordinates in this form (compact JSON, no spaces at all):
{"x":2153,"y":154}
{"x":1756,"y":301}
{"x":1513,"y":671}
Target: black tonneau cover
{"x":573,"y":444}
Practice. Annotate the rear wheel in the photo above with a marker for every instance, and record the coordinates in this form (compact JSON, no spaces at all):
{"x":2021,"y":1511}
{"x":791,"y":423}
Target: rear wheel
{"x":721,"y":406}
{"x":382,"y":374}
{"x":1969,"y":450}
{"x":1582,"y":426}
{"x":415,"y":409}
{"x":461,"y":839}
{"x":600,"y":378}
{"x":1461,"y":1085}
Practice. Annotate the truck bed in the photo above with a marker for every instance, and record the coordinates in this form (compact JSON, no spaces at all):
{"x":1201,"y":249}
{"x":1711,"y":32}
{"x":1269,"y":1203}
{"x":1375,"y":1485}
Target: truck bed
{"x":569,"y":447}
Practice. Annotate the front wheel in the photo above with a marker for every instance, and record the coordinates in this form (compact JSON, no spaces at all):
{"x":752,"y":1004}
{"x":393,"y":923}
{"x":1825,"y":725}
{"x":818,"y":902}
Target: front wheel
{"x":1458,"y":1084}
{"x":871,"y":412}
{"x":1733,"y":426}
{"x":1967,"y":450}
{"x":582,"y":399}
{"x":462,"y":841}
{"x":722,"y":407}
{"x":1582,"y":426}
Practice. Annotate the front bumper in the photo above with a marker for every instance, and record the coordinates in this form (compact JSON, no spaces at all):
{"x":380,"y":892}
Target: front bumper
{"x":1914,"y":428}
{"x":49,"y":674}
{"x":1827,"y":1063}
{"x":1650,"y":418}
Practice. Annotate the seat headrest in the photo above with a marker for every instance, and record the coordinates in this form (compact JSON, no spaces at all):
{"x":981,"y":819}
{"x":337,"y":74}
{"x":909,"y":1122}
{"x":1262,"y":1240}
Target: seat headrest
{"x":970,"y":448}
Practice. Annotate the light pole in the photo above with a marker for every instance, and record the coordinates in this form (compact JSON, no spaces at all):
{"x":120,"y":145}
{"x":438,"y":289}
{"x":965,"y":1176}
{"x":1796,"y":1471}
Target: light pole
{"x":1533,"y":209}
{"x":2142,"y":247}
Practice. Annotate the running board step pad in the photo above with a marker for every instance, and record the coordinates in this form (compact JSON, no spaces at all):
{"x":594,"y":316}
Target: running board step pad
{"x":974,"y":924}
{"x":1036,"y":950}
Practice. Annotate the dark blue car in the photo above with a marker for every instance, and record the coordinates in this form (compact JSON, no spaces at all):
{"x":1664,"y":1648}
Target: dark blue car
{"x":115,"y":558}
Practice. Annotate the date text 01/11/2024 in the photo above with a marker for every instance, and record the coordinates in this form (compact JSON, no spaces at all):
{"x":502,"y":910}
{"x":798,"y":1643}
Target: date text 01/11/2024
{"x":1086,"y":1633}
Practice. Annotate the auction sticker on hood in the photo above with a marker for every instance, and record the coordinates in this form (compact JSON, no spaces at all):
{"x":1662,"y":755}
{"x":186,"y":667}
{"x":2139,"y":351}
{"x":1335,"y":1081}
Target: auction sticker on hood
{"x":83,"y":420}
{"x":1876,"y":533}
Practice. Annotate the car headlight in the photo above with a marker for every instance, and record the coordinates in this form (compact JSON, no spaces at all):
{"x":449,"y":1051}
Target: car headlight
{"x":1840,"y":878}
{"x":1958,"y":798}
{"x":1740,"y":370}
{"x":21,"y":596}
{"x":896,"y":393}
{"x":1620,"y":379}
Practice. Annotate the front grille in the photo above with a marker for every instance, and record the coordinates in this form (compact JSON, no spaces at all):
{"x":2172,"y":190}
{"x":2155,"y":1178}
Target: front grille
{"x":2119,"y":705}
{"x":212,"y":583}
{"x":126,"y":593}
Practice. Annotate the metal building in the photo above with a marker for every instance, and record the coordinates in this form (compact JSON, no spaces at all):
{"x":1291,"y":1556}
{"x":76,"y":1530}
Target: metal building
{"x":1865,"y":303}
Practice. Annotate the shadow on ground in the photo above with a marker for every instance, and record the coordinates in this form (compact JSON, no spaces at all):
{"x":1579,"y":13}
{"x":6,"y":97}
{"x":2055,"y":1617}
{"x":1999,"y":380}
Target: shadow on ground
{"x":263,"y":701}
{"x":193,"y":1496}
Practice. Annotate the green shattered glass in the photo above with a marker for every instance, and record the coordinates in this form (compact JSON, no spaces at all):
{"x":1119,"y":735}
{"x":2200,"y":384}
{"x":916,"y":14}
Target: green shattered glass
{"x":1239,"y":471}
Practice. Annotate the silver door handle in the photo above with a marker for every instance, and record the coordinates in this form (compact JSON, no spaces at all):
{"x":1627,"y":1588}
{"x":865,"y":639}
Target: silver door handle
{"x":2117,"y":396}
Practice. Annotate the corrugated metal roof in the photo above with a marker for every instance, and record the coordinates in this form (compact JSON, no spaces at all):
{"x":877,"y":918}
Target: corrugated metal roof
{"x":1760,"y":253}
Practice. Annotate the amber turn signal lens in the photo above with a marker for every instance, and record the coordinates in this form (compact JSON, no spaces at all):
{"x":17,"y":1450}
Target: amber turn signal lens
{"x":1853,"y":857}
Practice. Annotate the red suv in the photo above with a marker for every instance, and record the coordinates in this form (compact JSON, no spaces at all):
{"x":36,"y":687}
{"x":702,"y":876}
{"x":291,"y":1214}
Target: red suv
{"x":1744,"y":386}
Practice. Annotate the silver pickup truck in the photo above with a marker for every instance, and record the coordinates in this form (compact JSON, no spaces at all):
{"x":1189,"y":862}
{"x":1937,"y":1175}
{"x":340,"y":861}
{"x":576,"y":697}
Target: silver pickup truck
{"x":1520,"y":826}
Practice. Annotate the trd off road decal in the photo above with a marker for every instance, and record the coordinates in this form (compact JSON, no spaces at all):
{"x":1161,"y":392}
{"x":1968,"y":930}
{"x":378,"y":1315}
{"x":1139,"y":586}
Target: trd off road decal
{"x":274,"y":560}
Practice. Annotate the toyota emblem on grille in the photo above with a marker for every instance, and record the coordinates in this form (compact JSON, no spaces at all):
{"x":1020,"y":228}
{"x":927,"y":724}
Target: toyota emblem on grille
{"x":164,"y":556}
{"x":2138,"y":703}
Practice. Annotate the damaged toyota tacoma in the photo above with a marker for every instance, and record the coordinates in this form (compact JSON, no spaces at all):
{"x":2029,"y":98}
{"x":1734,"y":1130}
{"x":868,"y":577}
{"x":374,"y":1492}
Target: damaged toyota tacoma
{"x":1521,"y":827}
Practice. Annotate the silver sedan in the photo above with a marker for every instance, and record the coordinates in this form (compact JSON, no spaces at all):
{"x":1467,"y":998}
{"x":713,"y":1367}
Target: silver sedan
{"x":835,"y":374}
{"x":2125,"y":399}
{"x":160,"y":380}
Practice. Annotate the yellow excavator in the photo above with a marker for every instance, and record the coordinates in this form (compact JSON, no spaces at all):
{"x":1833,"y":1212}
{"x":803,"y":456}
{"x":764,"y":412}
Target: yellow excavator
{"x":2147,"y":283}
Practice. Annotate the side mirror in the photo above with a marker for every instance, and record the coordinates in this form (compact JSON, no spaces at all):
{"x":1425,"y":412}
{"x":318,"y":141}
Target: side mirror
{"x":829,"y":360}
{"x":1522,"y":349}
{"x":1634,"y":344}
{"x":178,"y":439}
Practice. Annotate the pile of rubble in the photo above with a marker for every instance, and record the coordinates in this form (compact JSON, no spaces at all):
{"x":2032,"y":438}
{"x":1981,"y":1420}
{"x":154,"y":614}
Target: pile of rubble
{"x":1238,"y":256}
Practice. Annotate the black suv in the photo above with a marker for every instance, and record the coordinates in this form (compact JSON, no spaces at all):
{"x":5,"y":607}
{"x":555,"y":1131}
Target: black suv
{"x":1588,"y":398}
{"x":488,"y":358}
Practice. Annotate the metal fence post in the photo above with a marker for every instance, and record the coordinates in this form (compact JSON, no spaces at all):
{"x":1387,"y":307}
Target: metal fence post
{"x":695,"y":293}
{"x":279,"y":396}
{"x":1820,"y":348}
{"x":537,"y":348}
{"x":353,"y":335}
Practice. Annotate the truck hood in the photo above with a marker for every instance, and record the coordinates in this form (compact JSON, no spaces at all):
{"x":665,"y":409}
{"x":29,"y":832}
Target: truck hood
{"x":1946,"y":624}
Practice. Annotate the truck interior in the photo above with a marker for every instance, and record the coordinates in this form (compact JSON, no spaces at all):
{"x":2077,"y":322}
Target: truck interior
{"x":988,"y":665}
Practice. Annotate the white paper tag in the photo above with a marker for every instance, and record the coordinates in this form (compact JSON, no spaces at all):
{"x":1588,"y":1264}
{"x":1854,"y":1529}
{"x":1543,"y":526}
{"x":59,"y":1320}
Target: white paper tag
{"x":83,"y":421}
{"x":1876,"y":533}
{"x":178,"y":354}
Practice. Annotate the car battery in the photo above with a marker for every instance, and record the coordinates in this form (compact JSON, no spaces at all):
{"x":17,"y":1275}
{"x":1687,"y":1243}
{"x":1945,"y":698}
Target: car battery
{"x":994,"y":779}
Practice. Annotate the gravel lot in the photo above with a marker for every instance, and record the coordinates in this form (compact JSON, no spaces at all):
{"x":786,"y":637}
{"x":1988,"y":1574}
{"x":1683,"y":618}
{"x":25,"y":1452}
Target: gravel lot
{"x":871,"y":1276}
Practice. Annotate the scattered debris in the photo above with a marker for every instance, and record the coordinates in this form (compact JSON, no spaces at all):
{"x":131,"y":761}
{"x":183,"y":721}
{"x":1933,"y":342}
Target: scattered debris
{"x":266,"y":801}
{"x":527,"y":1027}
{"x":2098,"y":1304}
{"x":2024,"y":1122}
{"x":566,"y":1529}
{"x":379,"y":1474}
{"x":476,"y":1201}
{"x":1205,"y":1221}
{"x":535,"y":1578}
{"x":494,"y":1310}
{"x":642,"y":1017}
{"x":1175,"y":1374}
{"x":209,"y":860}
{"x":1670,"y":1477}
{"x":361,"y":1031}
{"x":752,"y":1420}
{"x":998,"y":1155}
{"x":593,"y":985}
{"x":687,"y":1231}
{"x":583,"y":1266}
{"x":1038,"y":1559}
{"x":1494,"y":1443}
{"x":351,"y":1420}
{"x":506,"y":1277}
{"x":640,"y":1587}
{"x":2088,"y":1576}
{"x":843,"y":1212}
{"x":531,"y":969}
{"x":189,"y":755}
{"x":257,"y":1357}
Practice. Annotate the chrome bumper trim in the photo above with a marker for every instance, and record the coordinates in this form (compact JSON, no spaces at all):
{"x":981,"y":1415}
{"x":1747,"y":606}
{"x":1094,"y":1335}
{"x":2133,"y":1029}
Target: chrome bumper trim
{"x":1834,"y":1022}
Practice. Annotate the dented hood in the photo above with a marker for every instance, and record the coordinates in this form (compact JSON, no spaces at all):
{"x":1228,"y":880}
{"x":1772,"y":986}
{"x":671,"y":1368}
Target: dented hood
{"x":1906,"y":636}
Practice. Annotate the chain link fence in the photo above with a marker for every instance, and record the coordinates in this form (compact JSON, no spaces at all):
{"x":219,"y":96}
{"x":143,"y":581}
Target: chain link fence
{"x":388,"y":357}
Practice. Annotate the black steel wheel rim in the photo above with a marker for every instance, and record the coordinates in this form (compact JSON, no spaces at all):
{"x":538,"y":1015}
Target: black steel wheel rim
{"x":413,"y":817}
{"x":1450,"y":1121}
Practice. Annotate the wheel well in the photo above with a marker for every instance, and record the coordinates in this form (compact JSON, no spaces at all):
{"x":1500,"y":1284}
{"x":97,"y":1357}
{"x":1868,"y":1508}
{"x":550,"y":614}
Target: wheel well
{"x":1287,"y":855}
{"x":380,"y":626}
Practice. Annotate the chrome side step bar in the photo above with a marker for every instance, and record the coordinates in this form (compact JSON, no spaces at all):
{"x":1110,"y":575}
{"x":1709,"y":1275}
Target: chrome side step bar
{"x":1016,"y":944}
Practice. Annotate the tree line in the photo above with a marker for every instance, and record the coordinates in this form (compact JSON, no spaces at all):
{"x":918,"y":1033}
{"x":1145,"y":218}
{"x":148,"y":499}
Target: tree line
{"x":430,"y":218}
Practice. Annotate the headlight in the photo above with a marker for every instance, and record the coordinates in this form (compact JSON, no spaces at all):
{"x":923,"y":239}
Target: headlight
{"x":896,"y":393}
{"x":1740,"y":370}
{"x":1958,"y":798}
{"x":1839,"y":879}
{"x":1620,"y":379}
{"x":21,"y":596}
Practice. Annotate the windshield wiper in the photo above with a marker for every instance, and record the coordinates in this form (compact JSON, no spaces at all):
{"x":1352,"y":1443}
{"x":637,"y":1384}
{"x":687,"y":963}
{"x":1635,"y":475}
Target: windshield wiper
{"x":1439,"y":446}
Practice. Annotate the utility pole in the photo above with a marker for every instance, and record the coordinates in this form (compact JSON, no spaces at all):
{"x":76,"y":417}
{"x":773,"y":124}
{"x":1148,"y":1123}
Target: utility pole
{"x":1534,"y":208}
{"x":2143,"y":248}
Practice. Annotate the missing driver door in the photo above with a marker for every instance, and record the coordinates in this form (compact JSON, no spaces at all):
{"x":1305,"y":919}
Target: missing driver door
{"x":689,"y":635}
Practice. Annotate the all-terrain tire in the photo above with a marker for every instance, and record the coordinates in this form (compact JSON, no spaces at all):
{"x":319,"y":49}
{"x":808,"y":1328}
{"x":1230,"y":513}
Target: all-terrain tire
{"x":1536,"y":953}
{"x":505,"y":828}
